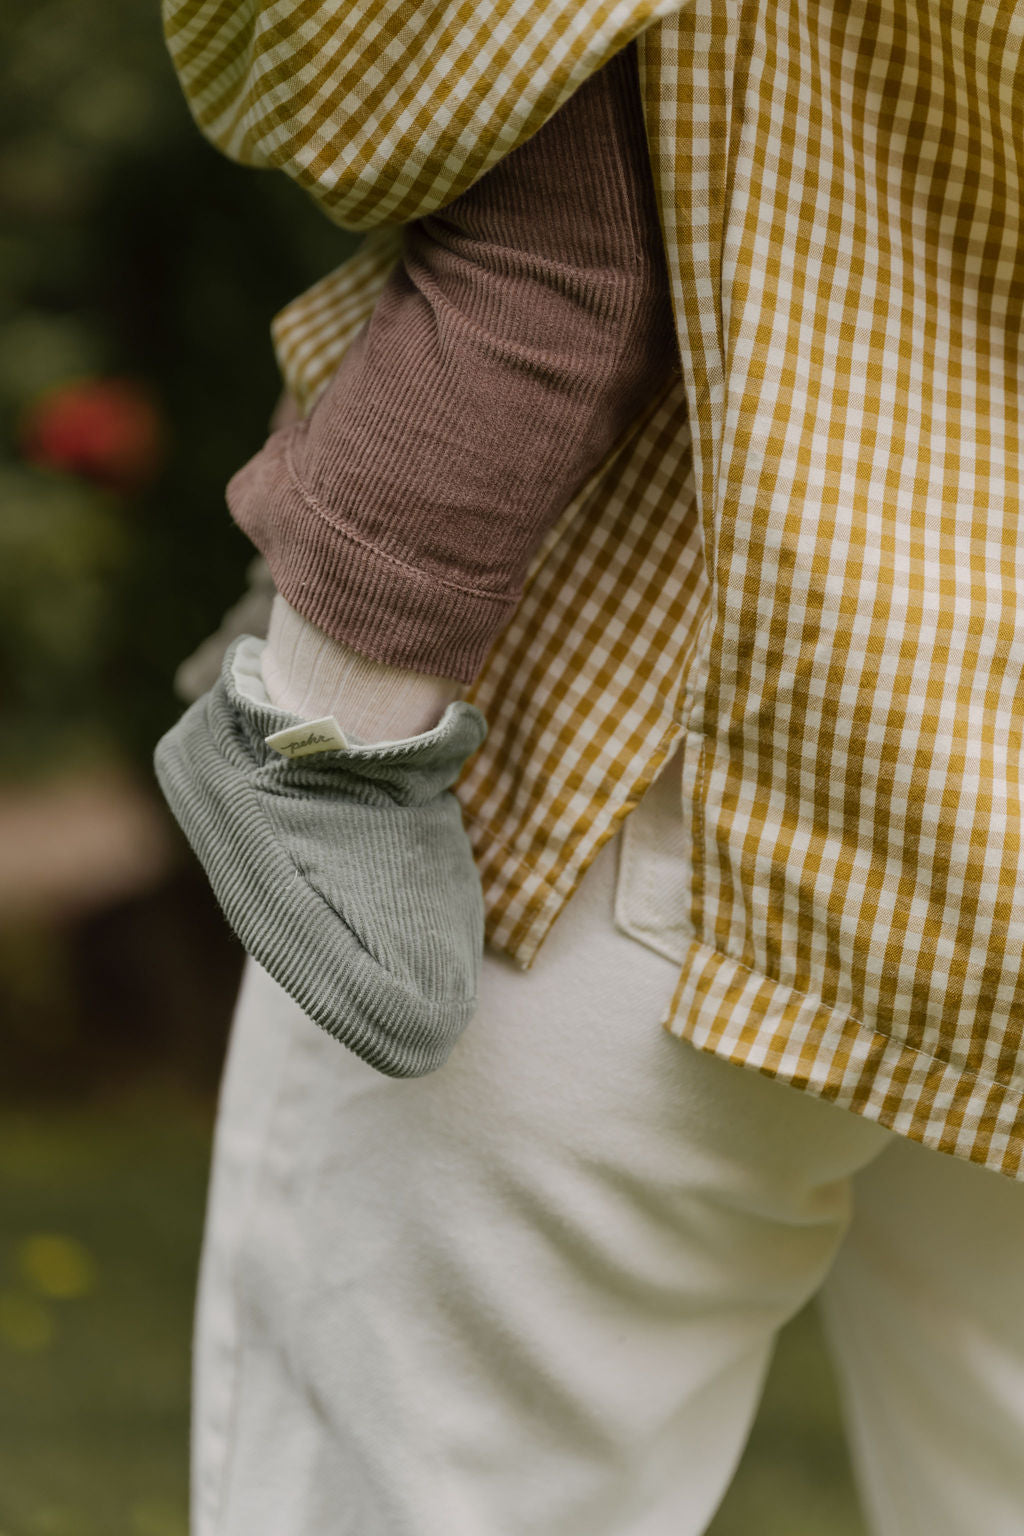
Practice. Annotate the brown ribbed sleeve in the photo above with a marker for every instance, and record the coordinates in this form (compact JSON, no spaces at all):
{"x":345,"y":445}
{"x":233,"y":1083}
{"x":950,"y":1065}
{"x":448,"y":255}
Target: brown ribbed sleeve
{"x":527,"y":325}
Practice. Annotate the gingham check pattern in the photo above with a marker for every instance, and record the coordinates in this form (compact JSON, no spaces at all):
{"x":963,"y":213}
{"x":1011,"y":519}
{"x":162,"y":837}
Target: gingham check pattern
{"x":384,"y":110}
{"x":821,"y":598}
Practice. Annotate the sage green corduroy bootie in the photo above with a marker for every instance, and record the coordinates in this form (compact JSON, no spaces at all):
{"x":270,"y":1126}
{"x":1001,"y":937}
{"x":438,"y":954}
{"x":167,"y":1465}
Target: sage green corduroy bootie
{"x":347,"y":873}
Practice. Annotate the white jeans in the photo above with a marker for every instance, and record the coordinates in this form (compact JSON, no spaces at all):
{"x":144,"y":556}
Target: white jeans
{"x":535,"y":1293}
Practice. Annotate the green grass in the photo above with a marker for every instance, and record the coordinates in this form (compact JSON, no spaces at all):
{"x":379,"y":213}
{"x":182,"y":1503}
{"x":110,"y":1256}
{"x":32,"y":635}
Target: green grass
{"x":94,"y":1328}
{"x":795,"y":1477}
{"x":100,"y":1219}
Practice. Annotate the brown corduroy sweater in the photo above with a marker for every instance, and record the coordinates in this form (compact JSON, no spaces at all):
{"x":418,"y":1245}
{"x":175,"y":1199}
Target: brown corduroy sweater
{"x":526,"y":326}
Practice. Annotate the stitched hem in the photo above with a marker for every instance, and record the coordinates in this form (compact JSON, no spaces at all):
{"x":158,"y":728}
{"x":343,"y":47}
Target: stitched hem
{"x":723,"y":1007}
{"x":364,"y":596}
{"x":374,"y":551}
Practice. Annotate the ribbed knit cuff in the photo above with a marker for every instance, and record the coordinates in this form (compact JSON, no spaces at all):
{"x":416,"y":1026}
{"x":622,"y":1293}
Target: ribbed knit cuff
{"x":356,"y":593}
{"x":314,"y":675}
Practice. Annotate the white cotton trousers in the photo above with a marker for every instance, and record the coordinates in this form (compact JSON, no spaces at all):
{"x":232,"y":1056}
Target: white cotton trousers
{"x":536,"y":1293}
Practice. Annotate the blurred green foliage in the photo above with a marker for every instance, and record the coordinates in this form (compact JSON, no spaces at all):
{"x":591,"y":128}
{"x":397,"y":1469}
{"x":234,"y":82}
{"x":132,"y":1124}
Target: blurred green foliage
{"x":99,"y":1229}
{"x":128,"y":249}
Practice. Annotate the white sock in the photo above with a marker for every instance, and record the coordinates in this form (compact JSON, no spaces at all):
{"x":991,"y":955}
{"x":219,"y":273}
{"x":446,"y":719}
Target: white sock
{"x":308,"y":673}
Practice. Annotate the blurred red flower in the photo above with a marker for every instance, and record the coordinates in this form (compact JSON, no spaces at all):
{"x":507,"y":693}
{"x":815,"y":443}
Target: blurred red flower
{"x":108,"y":431}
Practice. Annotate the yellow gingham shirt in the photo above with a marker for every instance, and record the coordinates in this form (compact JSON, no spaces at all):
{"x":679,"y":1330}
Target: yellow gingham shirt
{"x":804,"y":567}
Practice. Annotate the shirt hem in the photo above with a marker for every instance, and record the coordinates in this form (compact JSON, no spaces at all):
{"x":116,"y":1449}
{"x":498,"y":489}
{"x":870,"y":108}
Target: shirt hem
{"x":723,"y":1007}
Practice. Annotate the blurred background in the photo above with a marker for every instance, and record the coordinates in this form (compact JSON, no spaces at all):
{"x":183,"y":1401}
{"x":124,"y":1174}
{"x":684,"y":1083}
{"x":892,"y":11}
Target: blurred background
{"x":138,"y":275}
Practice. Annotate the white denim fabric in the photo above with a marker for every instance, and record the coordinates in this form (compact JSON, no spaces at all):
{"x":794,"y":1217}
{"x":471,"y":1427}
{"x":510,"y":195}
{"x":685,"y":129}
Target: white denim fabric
{"x":535,"y":1293}
{"x":655,"y":869}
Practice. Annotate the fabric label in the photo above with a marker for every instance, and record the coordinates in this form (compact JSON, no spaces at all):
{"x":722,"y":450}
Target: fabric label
{"x":311,"y":736}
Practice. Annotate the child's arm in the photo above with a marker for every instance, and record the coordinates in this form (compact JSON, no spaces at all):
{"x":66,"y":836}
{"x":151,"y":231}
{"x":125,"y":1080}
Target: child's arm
{"x":526,"y":327}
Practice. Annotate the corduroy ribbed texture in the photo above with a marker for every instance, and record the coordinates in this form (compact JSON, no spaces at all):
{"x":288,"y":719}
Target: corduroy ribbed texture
{"x":527,"y":325}
{"x":347,"y":875}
